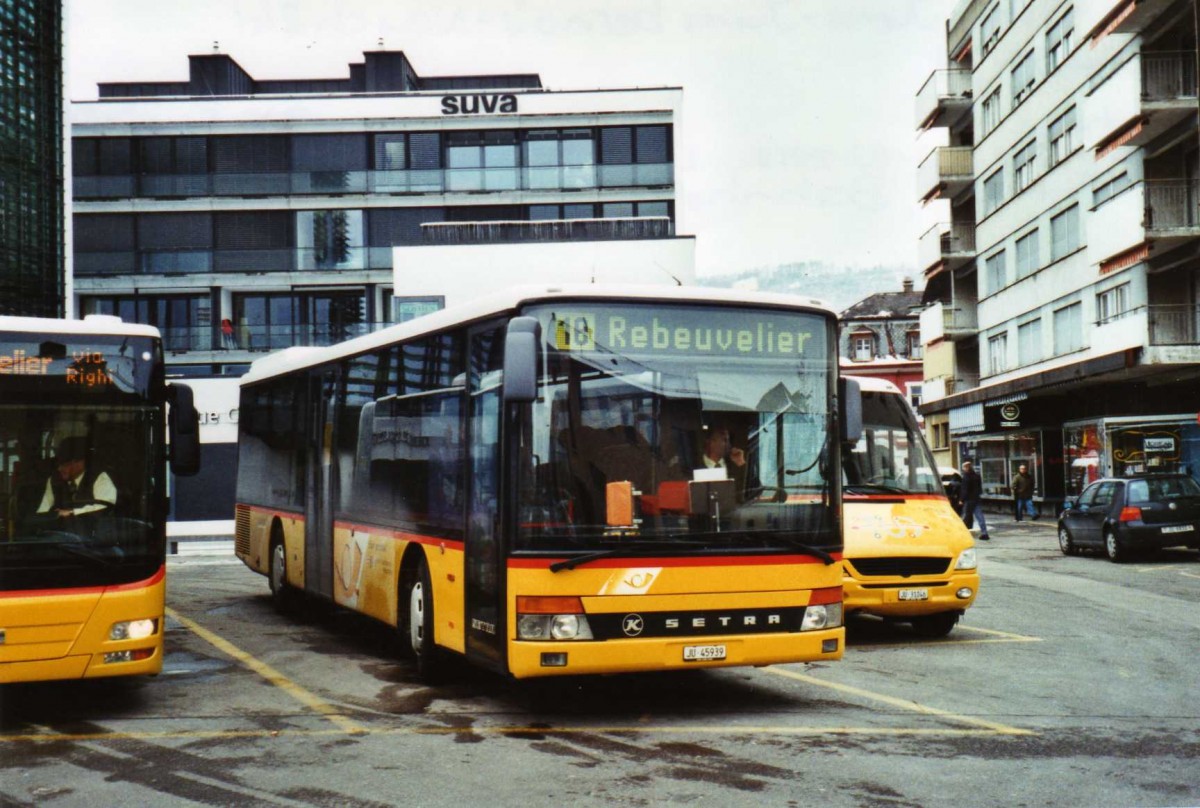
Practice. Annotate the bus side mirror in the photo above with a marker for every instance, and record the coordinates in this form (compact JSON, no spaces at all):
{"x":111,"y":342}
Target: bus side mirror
{"x":521,"y":360}
{"x":850,"y":404}
{"x":183,"y":429}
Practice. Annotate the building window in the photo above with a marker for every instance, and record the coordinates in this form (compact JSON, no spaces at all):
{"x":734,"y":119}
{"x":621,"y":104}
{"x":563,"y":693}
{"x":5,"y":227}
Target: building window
{"x":991,"y":111}
{"x":185,"y":321}
{"x":1064,"y":233}
{"x":993,"y":191}
{"x":914,"y":394}
{"x":1107,"y":190}
{"x":915,"y":349}
{"x":1062,"y":136}
{"x":989,"y":30}
{"x":997,"y":272}
{"x":1029,"y":342}
{"x":941,"y":436}
{"x":560,"y":158}
{"x":481,"y":161}
{"x":1027,"y":254}
{"x":1023,"y":79}
{"x":1059,"y":39}
{"x":273,"y":321}
{"x":1068,"y":329}
{"x":1023,"y":166}
{"x":863,"y":347}
{"x":1112,"y":304}
{"x":998,"y":353}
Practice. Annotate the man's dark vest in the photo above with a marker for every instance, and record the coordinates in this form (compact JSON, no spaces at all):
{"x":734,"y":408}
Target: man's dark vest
{"x":84,"y":495}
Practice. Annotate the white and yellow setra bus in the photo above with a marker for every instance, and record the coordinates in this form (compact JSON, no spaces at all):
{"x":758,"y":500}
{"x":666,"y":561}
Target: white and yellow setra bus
{"x":522,"y":481}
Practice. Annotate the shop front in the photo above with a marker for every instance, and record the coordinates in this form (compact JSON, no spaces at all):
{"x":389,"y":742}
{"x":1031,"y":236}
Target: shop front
{"x":1118,"y":447}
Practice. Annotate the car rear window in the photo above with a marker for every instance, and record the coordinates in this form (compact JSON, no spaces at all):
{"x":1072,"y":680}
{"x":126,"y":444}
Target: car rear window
{"x":1162,"y":490}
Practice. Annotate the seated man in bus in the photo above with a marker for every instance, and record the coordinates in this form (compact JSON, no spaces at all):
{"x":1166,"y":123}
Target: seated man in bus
{"x":720,"y":453}
{"x":76,"y":489}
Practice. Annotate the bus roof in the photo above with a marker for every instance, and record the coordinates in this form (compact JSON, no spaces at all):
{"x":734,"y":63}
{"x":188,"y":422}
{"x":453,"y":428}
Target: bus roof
{"x":870,"y":384}
{"x":511,"y":299}
{"x":96,"y":324}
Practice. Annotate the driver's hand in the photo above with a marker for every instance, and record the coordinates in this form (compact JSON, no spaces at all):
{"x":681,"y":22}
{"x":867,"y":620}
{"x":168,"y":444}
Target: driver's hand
{"x":64,"y":513}
{"x":738,"y":457}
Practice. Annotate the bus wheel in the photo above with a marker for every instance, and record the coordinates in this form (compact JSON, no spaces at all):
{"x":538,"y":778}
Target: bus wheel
{"x":935,"y":625}
{"x":282,"y":596}
{"x":420,"y":623}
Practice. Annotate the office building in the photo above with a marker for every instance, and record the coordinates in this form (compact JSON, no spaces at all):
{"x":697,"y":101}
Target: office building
{"x":1063,"y":282}
{"x":32,"y":250}
{"x":242,"y":215}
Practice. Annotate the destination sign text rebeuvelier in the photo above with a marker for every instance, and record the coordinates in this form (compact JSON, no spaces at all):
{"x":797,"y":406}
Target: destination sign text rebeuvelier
{"x":745,"y":336}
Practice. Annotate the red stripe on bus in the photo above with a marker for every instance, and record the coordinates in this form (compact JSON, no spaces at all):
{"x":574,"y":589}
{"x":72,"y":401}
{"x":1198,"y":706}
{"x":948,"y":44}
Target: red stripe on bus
{"x":706,"y":561}
{"x":889,"y":497}
{"x":89,"y":590}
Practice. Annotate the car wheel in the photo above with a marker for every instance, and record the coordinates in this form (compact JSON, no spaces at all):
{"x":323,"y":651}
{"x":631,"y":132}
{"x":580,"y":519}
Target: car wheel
{"x":1065,"y":542}
{"x":935,"y":625}
{"x":420,"y":623}
{"x":1116,"y":551}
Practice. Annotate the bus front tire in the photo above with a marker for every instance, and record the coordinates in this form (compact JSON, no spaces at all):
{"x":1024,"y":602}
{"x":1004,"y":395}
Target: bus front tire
{"x":420,"y":624}
{"x":282,"y":595}
{"x":935,"y":625}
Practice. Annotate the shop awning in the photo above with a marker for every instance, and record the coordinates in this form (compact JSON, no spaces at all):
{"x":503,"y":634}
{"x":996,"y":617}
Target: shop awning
{"x":966,"y":419}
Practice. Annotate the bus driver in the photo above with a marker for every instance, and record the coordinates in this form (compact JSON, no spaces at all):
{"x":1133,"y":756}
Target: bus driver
{"x":74,"y":489}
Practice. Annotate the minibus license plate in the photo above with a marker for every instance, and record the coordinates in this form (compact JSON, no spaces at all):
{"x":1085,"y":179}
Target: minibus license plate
{"x":913,"y":594}
{"x":697,"y":653}
{"x":1178,"y":529}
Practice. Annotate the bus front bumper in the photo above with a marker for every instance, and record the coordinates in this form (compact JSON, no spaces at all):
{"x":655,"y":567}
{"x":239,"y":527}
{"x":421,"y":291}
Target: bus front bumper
{"x":910,"y":597}
{"x":530,"y":659}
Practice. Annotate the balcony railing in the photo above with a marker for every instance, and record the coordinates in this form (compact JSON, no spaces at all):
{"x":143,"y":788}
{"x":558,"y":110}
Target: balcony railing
{"x":449,"y":180}
{"x":615,"y":229}
{"x":945,"y":166}
{"x":1174,"y":324}
{"x":277,"y":337}
{"x":1172,"y":204}
{"x":945,"y":241}
{"x":1168,"y":75}
{"x":943,"y":87}
{"x":152,"y":262}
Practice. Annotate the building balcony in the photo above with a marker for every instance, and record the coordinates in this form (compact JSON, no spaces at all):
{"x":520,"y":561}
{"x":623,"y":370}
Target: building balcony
{"x":945,"y":172}
{"x":1172,"y":208}
{"x":1150,"y":94}
{"x":950,"y":322}
{"x":1173,"y":324}
{"x":938,"y":388}
{"x":421,"y":181}
{"x":944,"y":96}
{"x":1130,"y":16}
{"x":176,"y":262}
{"x":946,"y":245}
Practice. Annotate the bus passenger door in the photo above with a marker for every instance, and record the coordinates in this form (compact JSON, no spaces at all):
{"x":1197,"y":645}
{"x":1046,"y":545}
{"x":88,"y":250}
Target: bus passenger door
{"x":486,"y":627}
{"x":318,"y":507}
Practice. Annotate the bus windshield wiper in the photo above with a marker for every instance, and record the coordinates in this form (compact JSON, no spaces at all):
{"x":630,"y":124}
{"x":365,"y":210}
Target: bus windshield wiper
{"x":890,"y":489}
{"x":632,"y":551}
{"x":777,"y":537}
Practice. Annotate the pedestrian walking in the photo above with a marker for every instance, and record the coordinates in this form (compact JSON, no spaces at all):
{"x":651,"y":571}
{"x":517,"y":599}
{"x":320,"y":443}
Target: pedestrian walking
{"x":1022,"y":489}
{"x":972,"y":498}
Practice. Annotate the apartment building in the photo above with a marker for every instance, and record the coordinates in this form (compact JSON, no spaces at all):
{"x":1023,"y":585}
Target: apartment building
{"x":1062,"y":327}
{"x":879,"y":337}
{"x":242,"y":215}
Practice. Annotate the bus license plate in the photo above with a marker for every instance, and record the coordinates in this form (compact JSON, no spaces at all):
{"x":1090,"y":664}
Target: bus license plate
{"x":701,"y":653}
{"x":913,"y":594}
{"x":1178,"y":529}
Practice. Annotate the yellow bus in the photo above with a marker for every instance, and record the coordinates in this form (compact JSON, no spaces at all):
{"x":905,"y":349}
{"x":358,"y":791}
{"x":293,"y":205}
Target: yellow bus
{"x":82,"y":481}
{"x":908,"y":555}
{"x":522,"y":481}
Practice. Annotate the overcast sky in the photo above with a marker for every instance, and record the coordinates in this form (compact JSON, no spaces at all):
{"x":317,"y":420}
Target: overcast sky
{"x":797,"y":137}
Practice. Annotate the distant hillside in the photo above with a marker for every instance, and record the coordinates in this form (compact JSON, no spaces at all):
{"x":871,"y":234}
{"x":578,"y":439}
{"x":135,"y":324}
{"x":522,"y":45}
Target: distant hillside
{"x":840,"y":287}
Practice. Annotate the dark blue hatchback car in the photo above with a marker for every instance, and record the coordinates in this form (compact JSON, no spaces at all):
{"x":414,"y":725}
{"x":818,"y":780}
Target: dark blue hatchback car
{"x":1134,"y":514}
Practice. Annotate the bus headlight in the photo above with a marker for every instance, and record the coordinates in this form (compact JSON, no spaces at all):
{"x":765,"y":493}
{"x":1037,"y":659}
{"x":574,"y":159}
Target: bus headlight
{"x":967,"y":561}
{"x":133,"y":630}
{"x":824,"y":615}
{"x":552,"y":618}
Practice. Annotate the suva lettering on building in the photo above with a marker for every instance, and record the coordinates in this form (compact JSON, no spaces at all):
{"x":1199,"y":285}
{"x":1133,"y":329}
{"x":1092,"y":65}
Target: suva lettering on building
{"x":475,"y":104}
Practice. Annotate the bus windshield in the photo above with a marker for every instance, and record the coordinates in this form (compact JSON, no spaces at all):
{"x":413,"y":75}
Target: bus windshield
{"x":78,"y":480}
{"x":717,"y":418}
{"x":891,"y":456}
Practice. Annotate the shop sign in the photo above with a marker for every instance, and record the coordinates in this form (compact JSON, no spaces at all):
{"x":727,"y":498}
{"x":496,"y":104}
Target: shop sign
{"x":1165,"y":445}
{"x":1010,"y":416}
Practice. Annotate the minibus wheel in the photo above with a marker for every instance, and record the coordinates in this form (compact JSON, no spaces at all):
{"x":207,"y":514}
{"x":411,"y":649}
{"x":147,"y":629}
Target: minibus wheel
{"x":935,"y":625}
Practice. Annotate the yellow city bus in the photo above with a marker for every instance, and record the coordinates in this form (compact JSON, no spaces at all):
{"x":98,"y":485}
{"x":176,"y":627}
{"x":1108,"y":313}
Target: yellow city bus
{"x":82,"y":482}
{"x":908,"y":555}
{"x":520,"y":481}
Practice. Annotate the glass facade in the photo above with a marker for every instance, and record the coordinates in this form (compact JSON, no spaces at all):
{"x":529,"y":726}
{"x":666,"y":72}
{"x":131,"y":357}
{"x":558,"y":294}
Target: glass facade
{"x":31,"y":158}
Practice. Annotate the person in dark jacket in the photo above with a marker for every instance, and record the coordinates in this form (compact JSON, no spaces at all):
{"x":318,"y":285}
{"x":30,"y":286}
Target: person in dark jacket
{"x":972,"y":498}
{"x":1022,"y":489}
{"x":75,"y":489}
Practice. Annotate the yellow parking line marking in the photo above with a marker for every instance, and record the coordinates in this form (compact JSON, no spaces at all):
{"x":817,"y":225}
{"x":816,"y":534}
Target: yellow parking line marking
{"x":1190,"y":574}
{"x":1157,"y":569}
{"x":503,"y":730}
{"x":300,"y":694}
{"x":904,"y":704}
